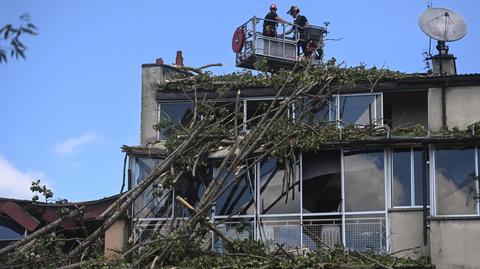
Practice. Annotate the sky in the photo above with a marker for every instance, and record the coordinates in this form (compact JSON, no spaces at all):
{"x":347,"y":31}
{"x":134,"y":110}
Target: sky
{"x":66,"y":109}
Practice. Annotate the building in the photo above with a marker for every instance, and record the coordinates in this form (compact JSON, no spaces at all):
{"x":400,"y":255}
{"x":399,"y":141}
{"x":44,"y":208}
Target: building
{"x":417,"y":195}
{"x":20,"y":218}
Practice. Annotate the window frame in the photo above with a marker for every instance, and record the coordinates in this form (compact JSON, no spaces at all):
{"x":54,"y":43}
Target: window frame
{"x":377,"y":121}
{"x":413,"y":190}
{"x":434,"y":187}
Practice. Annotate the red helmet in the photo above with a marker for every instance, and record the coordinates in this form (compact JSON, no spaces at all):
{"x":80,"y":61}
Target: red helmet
{"x":273,"y":6}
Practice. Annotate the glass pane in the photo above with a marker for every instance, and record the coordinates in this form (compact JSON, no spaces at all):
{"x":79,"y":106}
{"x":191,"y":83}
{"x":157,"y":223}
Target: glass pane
{"x":173,"y":115}
{"x":154,"y":202}
{"x":364,"y":180}
{"x":279,"y":190}
{"x":334,"y":109}
{"x":418,"y":178}
{"x":255,"y":110}
{"x":357,"y":109}
{"x":322,"y":186}
{"x":228,"y":110}
{"x":401,"y":177}
{"x":455,"y":181}
{"x":191,"y":188}
{"x":312,"y":112}
{"x":237,"y":199}
{"x":366,"y":233}
{"x":378,"y":109}
{"x":6,"y":233}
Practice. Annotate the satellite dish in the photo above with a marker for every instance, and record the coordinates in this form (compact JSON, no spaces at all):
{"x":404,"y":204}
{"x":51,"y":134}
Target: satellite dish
{"x":442,"y":24}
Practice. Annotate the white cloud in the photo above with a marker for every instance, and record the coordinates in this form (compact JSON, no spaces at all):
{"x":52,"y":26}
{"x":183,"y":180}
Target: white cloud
{"x":15,"y":183}
{"x":70,"y":145}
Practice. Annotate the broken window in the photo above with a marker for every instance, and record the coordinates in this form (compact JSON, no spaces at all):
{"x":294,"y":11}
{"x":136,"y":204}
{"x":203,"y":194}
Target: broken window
{"x":455,"y":180}
{"x":156,"y":200}
{"x":191,"y":188}
{"x":322,"y":187}
{"x":405,"y":109}
{"x":237,"y":197}
{"x":364,"y":180}
{"x":279,"y":187}
{"x":358,"y":109}
{"x":173,"y":115}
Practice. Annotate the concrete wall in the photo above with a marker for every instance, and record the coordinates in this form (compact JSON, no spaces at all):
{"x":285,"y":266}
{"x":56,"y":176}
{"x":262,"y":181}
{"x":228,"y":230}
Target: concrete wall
{"x":115,"y":239}
{"x":152,"y":76}
{"x":435,"y":109}
{"x":455,"y":243}
{"x":462,"y":107}
{"x":406,"y":227}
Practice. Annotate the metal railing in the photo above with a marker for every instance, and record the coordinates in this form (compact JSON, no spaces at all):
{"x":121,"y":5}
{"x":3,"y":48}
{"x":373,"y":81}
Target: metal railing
{"x":258,"y":44}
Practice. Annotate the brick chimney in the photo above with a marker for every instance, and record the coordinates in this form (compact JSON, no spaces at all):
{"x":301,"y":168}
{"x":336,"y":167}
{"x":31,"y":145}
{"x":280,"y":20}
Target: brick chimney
{"x":179,"y":59}
{"x":159,"y":61}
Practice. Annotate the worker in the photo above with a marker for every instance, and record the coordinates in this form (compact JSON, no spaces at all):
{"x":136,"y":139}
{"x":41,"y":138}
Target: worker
{"x":271,"y":22}
{"x":299,"y":24}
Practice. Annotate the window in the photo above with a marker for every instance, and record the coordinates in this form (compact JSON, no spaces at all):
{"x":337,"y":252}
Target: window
{"x":279,"y":187}
{"x":407,"y":176}
{"x":455,"y":179}
{"x":358,"y":109}
{"x":255,"y":110}
{"x":312,"y":112}
{"x":364,"y":180}
{"x":173,"y":115}
{"x":10,"y":230}
{"x":154,"y":202}
{"x":227,"y":110}
{"x":237,"y":198}
{"x":322,"y":187}
{"x":191,"y":188}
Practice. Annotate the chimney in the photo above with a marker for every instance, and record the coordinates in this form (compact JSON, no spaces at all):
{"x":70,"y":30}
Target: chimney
{"x":443,"y":63}
{"x":159,"y":61}
{"x":179,"y":59}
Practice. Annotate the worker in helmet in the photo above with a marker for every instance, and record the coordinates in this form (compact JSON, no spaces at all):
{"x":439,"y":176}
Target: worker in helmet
{"x":299,"y":24}
{"x":271,"y":22}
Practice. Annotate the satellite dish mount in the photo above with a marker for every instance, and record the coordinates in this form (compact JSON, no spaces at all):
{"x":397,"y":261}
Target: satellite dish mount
{"x":444,"y":26}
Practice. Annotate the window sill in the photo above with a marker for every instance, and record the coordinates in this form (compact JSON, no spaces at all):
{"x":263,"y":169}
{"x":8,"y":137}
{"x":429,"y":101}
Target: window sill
{"x":443,"y":218}
{"x":406,"y":209}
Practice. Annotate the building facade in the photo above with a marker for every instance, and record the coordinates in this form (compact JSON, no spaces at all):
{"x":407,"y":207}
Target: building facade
{"x":415,"y":195}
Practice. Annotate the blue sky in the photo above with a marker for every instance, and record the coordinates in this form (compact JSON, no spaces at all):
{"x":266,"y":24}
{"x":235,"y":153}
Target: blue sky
{"x":66,"y":110}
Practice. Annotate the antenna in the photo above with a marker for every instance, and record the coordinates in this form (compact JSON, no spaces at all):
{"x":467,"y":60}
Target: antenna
{"x":444,"y":26}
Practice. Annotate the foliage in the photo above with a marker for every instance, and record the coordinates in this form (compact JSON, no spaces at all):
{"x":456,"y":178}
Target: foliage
{"x":253,"y":254}
{"x":248,"y":79}
{"x":10,"y":42}
{"x":40,"y":190}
